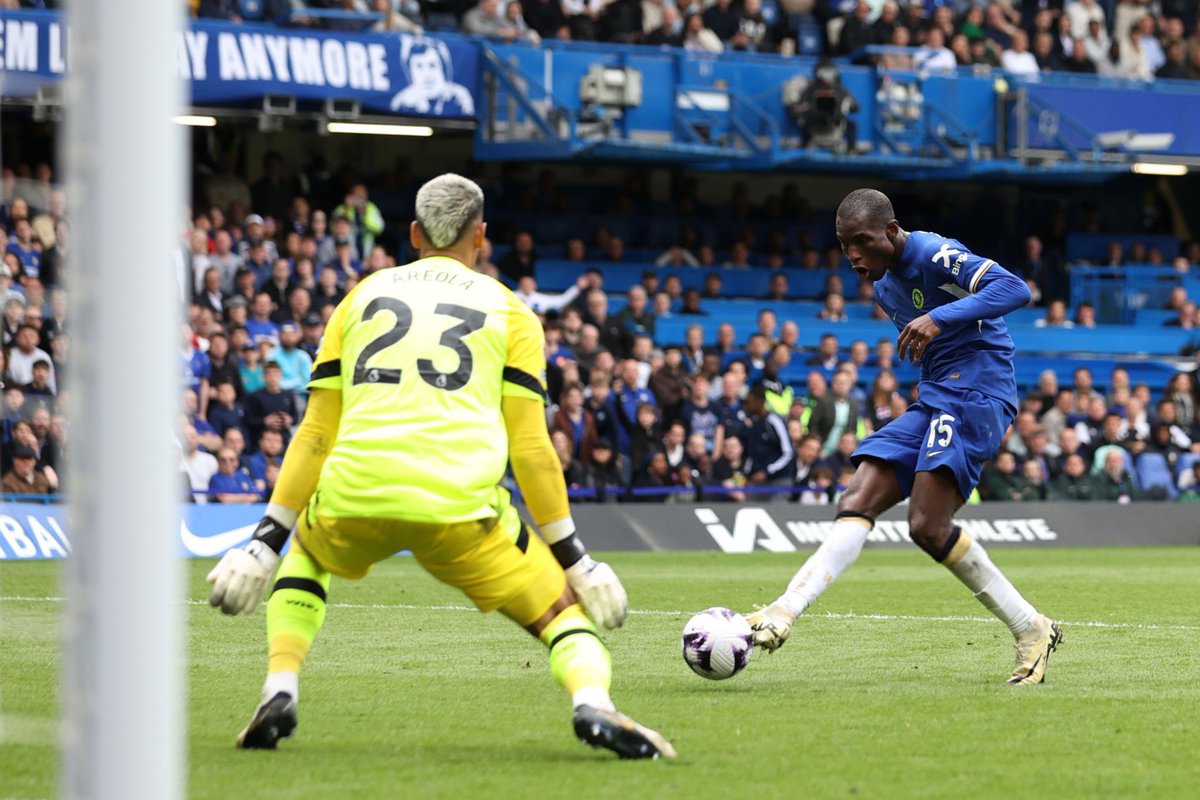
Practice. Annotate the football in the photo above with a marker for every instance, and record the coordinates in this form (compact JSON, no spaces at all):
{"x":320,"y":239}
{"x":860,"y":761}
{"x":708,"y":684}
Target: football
{"x":717,"y":643}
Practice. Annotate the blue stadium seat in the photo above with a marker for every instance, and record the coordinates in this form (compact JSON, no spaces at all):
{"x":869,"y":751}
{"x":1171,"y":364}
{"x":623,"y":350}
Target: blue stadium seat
{"x":1184,"y":465}
{"x":1153,"y":472}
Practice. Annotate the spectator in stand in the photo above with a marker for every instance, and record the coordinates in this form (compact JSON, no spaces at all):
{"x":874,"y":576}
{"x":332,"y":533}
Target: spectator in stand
{"x":328,"y":292}
{"x":604,"y":472}
{"x":691,"y":304}
{"x":698,"y":37}
{"x":674,"y":447}
{"x":40,"y":385}
{"x":521,"y":260}
{"x":226,"y":412}
{"x":835,"y":413}
{"x":575,"y":422}
{"x":25,"y":478}
{"x":698,"y":462}
{"x":645,"y":437}
{"x":1190,"y":493}
{"x":514,"y":18}
{"x":1074,"y":483}
{"x":699,"y":414}
{"x":834,"y":309}
{"x":1113,"y":481}
{"x":635,"y":316}
{"x":668,"y":382}
{"x":1085,"y":315}
{"x":808,"y":459}
{"x":933,"y":55}
{"x":1047,"y":54}
{"x":1147,"y":36}
{"x":259,"y":262}
{"x":1003,"y":481}
{"x":229,"y":484}
{"x":879,"y":401}
{"x":727,"y":471}
{"x":1083,"y":14}
{"x":1078,"y":61}
{"x":1185,"y":318}
{"x":669,"y":33}
{"x":22,"y":245}
{"x":1034,"y":482}
{"x":255,"y":228}
{"x":295,"y":364}
{"x":527,"y":290}
{"x":753,"y":33}
{"x":827,"y":353}
{"x":1181,"y":392}
{"x":270,"y":408}
{"x":260,"y":326}
{"x":280,"y":282}
{"x":819,"y":487}
{"x":270,"y":453}
{"x":14,"y":316}
{"x":406,"y":19}
{"x":486,"y":19}
{"x":198,"y":466}
{"x":770,"y":459}
{"x":546,"y":17}
{"x":1017,"y":59}
{"x":601,"y":404}
{"x":615,"y":336}
{"x":1056,"y":316}
{"x":857,"y":31}
{"x":1175,"y":64}
{"x":575,"y":475}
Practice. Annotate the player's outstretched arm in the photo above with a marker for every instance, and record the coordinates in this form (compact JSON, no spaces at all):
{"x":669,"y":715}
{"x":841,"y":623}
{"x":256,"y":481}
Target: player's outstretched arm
{"x":536,"y":468}
{"x":994,"y":292}
{"x":240,"y":578}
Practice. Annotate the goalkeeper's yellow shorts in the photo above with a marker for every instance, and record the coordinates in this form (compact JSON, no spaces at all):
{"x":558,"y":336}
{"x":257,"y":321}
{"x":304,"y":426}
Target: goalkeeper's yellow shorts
{"x":498,"y":562}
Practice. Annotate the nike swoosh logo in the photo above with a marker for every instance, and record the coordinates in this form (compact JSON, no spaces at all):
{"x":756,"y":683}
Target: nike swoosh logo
{"x":218,"y":543}
{"x":933,"y":453}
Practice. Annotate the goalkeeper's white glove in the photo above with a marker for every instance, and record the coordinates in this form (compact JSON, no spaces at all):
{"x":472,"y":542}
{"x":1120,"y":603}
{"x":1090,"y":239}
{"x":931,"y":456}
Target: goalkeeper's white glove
{"x":771,"y":625}
{"x":599,"y":591}
{"x":240,"y":578}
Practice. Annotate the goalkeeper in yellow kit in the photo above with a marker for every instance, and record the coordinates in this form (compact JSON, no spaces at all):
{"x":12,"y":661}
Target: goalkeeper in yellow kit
{"x":428,"y":382}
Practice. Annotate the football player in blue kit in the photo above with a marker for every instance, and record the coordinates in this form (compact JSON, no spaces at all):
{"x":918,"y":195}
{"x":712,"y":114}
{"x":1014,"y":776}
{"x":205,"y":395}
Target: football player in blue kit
{"x":948,"y":304}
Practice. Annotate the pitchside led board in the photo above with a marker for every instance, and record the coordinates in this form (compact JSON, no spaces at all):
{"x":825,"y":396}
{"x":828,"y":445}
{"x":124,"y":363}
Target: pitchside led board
{"x":32,"y":531}
{"x":239,"y":64}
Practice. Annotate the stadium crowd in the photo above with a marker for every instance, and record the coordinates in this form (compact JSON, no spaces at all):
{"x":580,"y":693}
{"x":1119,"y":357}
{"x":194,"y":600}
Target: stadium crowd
{"x":667,"y":419}
{"x":1127,"y":38}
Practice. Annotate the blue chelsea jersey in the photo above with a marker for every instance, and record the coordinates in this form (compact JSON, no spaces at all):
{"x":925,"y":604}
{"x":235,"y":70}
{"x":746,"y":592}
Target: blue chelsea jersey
{"x":935,"y":271}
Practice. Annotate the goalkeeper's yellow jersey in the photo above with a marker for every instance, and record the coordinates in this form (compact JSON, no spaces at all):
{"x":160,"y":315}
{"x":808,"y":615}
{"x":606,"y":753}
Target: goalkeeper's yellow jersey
{"x":422,"y":355}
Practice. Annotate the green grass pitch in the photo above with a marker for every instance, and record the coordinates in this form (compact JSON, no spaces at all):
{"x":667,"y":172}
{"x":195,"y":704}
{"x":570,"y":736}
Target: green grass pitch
{"x":890,"y":688}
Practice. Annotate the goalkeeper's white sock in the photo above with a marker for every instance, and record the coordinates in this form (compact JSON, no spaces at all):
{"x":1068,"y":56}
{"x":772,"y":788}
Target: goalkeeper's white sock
{"x":822,"y":568}
{"x":594,"y":696}
{"x":969,"y":562}
{"x":283,"y":681}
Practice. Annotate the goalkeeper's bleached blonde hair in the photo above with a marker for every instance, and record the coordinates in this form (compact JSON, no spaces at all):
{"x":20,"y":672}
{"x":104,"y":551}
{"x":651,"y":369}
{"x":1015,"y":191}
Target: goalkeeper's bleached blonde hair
{"x":447,"y":207}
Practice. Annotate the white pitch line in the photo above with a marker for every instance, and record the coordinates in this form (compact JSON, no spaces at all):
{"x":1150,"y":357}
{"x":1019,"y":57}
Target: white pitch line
{"x":653,"y":612}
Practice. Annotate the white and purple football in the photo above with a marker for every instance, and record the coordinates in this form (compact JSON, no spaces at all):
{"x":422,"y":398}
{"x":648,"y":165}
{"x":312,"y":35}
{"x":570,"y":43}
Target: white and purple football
{"x":717,"y":643}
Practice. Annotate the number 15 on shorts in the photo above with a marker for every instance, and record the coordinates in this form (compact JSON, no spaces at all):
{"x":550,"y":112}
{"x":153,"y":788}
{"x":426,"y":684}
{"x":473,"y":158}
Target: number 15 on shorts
{"x":941,"y":432}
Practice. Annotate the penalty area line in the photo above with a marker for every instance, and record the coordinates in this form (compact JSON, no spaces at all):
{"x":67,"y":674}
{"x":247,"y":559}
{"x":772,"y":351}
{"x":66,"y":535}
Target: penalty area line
{"x":653,"y":612}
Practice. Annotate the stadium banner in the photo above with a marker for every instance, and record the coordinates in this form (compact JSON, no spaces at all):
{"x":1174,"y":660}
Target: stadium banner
{"x":33,"y":531}
{"x":388,"y":73}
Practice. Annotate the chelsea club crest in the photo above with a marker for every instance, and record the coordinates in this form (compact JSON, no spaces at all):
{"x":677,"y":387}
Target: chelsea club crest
{"x":918,"y":298}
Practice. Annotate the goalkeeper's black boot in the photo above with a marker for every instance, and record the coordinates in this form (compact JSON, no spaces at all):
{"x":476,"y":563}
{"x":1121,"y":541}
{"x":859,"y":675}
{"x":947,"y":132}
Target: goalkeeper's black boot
{"x":273,"y":720}
{"x":617,"y":732}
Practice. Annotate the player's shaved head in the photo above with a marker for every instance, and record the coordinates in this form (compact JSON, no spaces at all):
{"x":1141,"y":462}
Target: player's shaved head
{"x":447,"y":207}
{"x":867,"y":205}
